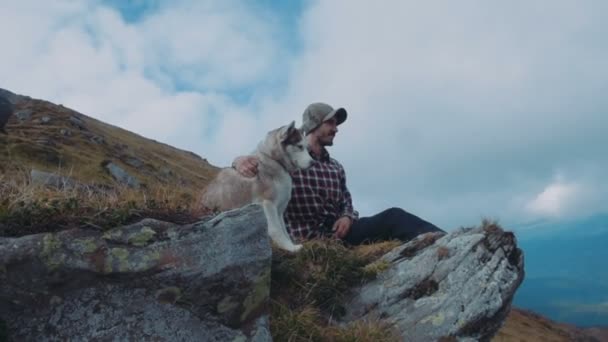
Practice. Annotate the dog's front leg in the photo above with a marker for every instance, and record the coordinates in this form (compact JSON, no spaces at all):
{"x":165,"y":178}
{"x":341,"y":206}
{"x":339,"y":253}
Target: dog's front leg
{"x":276,"y":228}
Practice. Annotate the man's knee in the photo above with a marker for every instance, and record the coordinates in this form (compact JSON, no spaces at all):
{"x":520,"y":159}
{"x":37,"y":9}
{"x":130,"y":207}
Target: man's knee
{"x":395,"y":212}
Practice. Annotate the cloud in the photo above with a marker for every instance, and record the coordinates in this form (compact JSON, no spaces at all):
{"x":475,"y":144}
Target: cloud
{"x":554,"y":199}
{"x":457,"y":110}
{"x":174,"y":74}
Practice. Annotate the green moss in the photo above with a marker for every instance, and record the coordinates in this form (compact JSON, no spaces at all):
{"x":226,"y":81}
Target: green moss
{"x":147,"y":261}
{"x":169,"y":295}
{"x":51,"y":254}
{"x":226,"y":305}
{"x":88,"y":245}
{"x":259,"y":295}
{"x":240,"y":338}
{"x":113,"y":235}
{"x":436,"y":319}
{"x":118,"y":257}
{"x":142,"y":237}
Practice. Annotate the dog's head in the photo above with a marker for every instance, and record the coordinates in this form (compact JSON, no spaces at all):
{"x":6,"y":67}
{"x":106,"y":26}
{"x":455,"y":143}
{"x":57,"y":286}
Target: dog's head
{"x":295,"y":146}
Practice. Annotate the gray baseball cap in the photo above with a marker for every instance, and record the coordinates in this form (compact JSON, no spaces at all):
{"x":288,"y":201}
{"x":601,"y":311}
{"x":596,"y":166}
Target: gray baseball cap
{"x":316,"y":113}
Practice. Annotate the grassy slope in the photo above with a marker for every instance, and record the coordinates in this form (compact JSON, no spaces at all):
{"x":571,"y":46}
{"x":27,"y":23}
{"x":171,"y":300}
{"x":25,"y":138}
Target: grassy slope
{"x":32,"y":144}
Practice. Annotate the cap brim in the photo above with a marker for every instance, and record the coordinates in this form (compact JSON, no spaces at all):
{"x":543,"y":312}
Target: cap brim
{"x":339,"y":113}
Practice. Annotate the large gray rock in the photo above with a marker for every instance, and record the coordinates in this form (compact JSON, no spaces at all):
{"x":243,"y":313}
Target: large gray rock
{"x":24,"y":115}
{"x":457,"y":286}
{"x":121,"y":176}
{"x":51,"y":179}
{"x":151,"y":281}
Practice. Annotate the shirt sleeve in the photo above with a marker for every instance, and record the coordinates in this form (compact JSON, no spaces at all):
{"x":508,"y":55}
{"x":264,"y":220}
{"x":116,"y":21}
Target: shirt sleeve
{"x":347,"y":201}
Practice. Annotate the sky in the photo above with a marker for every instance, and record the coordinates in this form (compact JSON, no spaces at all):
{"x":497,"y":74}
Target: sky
{"x":457,"y":110}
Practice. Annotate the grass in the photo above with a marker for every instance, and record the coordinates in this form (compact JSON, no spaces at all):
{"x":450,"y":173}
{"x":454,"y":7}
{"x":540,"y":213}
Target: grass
{"x":27,"y":208}
{"x":309,"y":290}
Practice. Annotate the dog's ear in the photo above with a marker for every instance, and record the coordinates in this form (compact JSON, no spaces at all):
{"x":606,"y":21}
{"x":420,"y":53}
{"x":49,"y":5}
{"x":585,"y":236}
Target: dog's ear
{"x":290,"y":134}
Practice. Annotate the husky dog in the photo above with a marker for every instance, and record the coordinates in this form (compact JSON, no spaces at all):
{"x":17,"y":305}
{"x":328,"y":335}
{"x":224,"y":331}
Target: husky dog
{"x":280,"y":153}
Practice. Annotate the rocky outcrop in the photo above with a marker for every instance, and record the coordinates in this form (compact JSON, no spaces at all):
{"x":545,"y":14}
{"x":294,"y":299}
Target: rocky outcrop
{"x":457,"y":286}
{"x":151,"y":281}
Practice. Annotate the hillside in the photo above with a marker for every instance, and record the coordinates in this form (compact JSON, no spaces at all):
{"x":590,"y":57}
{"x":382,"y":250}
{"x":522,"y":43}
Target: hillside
{"x":55,"y":139}
{"x":526,"y":326}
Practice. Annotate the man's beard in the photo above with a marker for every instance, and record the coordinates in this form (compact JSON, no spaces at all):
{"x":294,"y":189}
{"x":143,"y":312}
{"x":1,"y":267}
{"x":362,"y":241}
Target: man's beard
{"x":327,"y":142}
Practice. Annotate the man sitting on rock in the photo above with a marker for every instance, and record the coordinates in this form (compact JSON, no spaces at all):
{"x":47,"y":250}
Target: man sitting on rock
{"x":321,"y":205}
{"x":6,"y":110}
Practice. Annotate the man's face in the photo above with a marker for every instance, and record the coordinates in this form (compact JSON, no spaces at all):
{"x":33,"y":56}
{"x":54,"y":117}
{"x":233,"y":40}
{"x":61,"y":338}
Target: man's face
{"x":326,"y":132}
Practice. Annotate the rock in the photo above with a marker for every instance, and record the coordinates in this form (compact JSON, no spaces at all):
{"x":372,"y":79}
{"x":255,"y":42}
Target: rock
{"x":45,"y":142}
{"x":166,"y":172}
{"x":133,"y":161}
{"x":51,"y":179}
{"x":121,"y":175}
{"x":94,"y":138}
{"x":460,"y":285}
{"x":45,"y":119}
{"x":66,"y":132}
{"x":6,"y":110}
{"x":75,"y":121}
{"x":150,"y":281}
{"x":24,"y":115}
{"x":98,"y":139}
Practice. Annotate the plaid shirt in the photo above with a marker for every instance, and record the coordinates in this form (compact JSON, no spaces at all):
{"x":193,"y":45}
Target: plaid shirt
{"x":319,"y":197}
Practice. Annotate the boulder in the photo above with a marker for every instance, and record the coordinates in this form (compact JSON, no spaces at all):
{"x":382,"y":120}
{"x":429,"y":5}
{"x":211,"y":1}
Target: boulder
{"x":77,"y":122}
{"x":24,"y":115}
{"x":51,"y":179}
{"x":121,"y":176}
{"x":150,"y":281}
{"x":457,"y":286}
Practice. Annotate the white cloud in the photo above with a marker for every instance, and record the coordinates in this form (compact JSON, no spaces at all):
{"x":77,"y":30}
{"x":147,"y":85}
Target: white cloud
{"x":169,"y":76}
{"x":554,"y":199}
{"x":457,"y":110}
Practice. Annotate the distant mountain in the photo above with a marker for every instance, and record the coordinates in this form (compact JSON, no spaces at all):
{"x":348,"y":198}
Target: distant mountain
{"x":566,"y":270}
{"x":527,"y":326}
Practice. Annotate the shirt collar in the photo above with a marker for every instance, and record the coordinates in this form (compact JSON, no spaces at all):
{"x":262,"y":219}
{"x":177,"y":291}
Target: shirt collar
{"x":323,"y":157}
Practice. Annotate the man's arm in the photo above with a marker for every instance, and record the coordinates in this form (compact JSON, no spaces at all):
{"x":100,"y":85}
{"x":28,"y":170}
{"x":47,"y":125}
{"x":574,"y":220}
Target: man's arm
{"x":347,"y":200}
{"x":349,"y":214}
{"x":247,"y":166}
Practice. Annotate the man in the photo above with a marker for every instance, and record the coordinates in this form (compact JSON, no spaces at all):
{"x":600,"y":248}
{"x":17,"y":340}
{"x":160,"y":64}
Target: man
{"x":6,"y":110}
{"x":321,"y":204}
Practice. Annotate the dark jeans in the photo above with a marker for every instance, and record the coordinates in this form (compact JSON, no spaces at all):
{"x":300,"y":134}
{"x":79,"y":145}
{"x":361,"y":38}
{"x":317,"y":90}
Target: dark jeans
{"x":393,"y":223}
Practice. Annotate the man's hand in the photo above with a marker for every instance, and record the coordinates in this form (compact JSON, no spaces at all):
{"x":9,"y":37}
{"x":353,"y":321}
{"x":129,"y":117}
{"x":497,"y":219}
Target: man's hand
{"x":342,"y":227}
{"x":247,"y":166}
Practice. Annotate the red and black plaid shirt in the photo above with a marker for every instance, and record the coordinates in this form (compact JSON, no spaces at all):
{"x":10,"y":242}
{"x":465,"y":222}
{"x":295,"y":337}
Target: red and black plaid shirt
{"x":318,"y":198}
